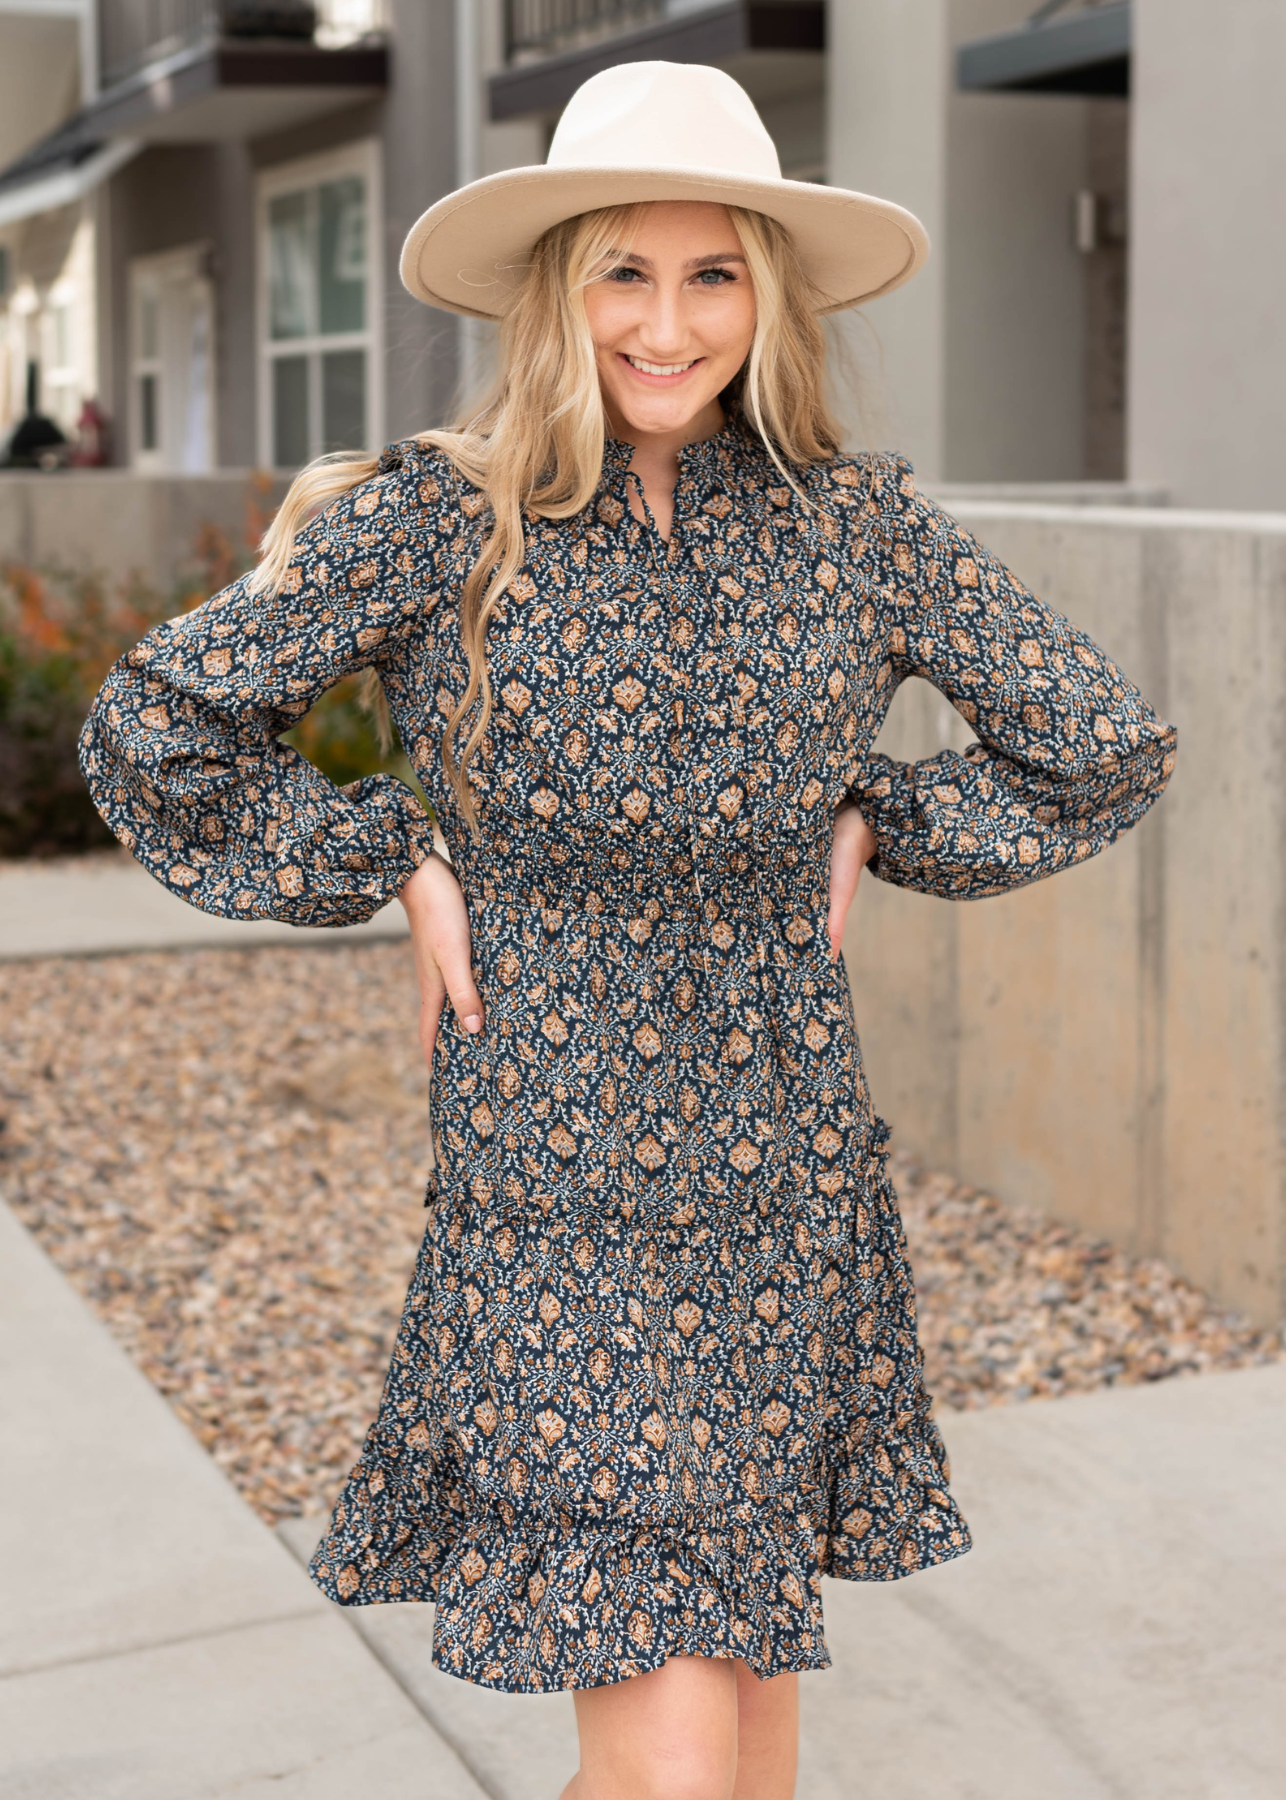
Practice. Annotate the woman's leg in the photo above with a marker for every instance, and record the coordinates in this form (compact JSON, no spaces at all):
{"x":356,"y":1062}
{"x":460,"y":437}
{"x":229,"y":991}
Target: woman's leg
{"x":699,"y":1728}
{"x":767,"y":1736}
{"x":667,"y":1735}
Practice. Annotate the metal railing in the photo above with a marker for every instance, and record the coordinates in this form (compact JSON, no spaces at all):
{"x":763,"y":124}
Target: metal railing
{"x":544,"y":27}
{"x":133,"y":33}
{"x":1048,"y":8}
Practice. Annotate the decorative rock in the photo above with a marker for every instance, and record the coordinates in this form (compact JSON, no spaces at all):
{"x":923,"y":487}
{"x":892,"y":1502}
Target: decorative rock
{"x":225,"y":1151}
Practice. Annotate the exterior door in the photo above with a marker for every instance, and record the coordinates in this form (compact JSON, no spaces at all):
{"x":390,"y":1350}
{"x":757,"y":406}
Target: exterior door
{"x":172,"y":357}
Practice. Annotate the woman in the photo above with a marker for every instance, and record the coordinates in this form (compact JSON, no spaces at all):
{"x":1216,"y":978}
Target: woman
{"x":638,"y":622}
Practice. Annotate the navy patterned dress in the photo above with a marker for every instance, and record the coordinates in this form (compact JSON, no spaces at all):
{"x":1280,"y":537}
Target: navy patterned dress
{"x":658,"y":1370}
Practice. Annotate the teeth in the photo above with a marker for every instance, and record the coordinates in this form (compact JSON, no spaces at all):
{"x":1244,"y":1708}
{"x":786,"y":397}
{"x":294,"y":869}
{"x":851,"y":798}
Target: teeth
{"x":658,"y":368}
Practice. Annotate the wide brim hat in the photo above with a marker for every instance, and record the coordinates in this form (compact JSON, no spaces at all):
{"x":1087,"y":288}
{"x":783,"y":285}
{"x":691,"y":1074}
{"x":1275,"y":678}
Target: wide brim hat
{"x":654,"y":131}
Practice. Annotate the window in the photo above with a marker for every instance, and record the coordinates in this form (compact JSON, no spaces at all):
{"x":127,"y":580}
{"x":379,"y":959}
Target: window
{"x":319,"y":307}
{"x":61,"y":371}
{"x":19,"y":345}
{"x":147,"y":365}
{"x":172,"y":361}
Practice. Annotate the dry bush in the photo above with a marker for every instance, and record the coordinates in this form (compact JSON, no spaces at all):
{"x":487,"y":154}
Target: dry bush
{"x":60,"y":632}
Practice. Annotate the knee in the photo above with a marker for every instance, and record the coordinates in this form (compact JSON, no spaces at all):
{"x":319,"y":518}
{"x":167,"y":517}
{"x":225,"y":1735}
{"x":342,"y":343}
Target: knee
{"x":689,"y":1771}
{"x":669,"y":1772}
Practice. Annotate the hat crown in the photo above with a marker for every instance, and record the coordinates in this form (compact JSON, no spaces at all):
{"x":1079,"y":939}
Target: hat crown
{"x":663,"y":115}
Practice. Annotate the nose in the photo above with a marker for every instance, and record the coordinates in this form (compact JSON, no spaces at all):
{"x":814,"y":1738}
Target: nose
{"x":663,"y":330}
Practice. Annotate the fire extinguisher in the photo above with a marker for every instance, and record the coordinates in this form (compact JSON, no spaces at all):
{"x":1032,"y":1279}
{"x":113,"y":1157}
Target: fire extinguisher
{"x":91,"y":446}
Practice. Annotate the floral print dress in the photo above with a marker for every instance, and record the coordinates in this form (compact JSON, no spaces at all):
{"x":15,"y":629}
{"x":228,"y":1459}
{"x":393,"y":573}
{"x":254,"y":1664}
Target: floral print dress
{"x":657,"y":1371}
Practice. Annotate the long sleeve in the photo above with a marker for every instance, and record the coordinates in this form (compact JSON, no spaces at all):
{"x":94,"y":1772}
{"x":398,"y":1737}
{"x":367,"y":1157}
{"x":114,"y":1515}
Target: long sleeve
{"x":181,"y":749}
{"x":1068,"y":753}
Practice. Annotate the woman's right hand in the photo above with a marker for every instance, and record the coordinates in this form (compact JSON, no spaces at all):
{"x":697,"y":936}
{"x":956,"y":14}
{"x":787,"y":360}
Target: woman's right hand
{"x":440,"y":940}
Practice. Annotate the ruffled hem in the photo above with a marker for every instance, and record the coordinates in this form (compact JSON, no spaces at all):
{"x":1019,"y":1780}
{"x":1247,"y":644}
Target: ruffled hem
{"x":530,"y":1605}
{"x":527,"y":1605}
{"x":890,"y":1511}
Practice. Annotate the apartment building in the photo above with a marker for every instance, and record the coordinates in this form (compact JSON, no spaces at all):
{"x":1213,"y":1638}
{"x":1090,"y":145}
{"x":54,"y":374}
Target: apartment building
{"x":205,"y":239}
{"x":201,"y":204}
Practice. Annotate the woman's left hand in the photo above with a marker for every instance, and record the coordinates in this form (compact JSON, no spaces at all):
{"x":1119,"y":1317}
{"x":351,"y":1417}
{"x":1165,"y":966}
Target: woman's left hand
{"x":852,"y":847}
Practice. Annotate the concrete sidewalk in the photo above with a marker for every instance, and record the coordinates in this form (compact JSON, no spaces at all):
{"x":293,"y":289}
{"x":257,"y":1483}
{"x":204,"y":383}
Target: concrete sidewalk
{"x":156,"y":1641}
{"x":93,"y":905}
{"x":1119,"y":1633}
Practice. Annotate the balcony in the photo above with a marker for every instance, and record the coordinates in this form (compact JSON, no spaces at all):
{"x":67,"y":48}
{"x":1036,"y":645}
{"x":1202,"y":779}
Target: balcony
{"x":194,"y":71}
{"x":1084,"y":51}
{"x":551,"y":46}
{"x":535,"y":29}
{"x":201,"y":71}
{"x":135,"y":34}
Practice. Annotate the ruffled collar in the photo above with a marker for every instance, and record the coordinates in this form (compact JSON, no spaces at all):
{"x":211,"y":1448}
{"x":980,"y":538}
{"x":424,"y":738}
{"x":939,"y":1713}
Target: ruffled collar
{"x":728,"y":448}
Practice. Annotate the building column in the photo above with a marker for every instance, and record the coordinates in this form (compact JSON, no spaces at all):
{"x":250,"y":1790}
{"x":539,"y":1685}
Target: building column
{"x":887,"y":73}
{"x":1207,"y":381}
{"x":419,"y":157}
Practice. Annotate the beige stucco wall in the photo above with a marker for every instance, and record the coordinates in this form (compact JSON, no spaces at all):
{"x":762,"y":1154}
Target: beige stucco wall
{"x":1207,"y":381}
{"x":976,"y":369}
{"x":1015,"y":320}
{"x":1108,"y":1046}
{"x":887,"y":73}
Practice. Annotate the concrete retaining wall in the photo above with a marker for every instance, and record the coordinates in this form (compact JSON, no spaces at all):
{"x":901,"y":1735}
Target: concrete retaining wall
{"x":1109,"y":1045}
{"x":120,"y":522}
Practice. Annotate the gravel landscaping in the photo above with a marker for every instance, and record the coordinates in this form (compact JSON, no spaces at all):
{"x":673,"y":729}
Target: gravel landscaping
{"x":225,"y":1152}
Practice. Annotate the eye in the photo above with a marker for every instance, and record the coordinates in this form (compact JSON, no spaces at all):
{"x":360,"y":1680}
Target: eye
{"x":624,"y":274}
{"x":715,"y":277}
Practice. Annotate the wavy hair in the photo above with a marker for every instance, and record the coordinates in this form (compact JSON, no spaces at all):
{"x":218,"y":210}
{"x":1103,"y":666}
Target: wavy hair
{"x":535,"y":444}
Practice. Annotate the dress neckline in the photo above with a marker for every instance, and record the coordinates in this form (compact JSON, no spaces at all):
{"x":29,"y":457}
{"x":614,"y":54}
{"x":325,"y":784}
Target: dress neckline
{"x":702,"y":456}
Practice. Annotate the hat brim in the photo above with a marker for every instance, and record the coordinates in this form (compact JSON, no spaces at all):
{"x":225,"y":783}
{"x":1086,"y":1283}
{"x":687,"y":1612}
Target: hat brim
{"x":466,"y":253}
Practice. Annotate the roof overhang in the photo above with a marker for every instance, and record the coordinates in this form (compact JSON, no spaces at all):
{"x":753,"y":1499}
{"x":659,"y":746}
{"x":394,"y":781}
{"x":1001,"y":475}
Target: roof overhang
{"x":734,"y":36}
{"x":62,"y":186}
{"x":207,"y":92}
{"x":1085,"y":52}
{"x":231,"y":88}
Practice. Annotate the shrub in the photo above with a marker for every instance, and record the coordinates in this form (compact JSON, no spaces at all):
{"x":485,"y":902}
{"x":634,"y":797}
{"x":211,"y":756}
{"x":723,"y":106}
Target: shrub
{"x":60,"y":632}
{"x":44,"y":808}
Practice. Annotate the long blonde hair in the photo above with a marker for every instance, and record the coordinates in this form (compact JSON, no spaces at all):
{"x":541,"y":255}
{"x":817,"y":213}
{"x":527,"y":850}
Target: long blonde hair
{"x":535,"y":444}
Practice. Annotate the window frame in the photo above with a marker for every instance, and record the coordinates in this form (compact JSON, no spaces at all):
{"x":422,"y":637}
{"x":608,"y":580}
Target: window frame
{"x":62,"y":378}
{"x":361,"y":157}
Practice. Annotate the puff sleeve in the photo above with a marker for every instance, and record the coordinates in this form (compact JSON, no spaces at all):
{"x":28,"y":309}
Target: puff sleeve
{"x":1068,"y":755}
{"x":182,"y":752}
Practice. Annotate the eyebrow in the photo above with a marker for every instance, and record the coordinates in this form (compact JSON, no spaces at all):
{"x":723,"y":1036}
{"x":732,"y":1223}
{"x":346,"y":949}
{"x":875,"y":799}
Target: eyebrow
{"x":697,"y":262}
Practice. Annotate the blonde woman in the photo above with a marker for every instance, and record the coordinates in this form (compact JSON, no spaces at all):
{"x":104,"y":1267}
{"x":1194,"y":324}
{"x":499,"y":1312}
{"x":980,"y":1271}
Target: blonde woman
{"x":638,"y":622}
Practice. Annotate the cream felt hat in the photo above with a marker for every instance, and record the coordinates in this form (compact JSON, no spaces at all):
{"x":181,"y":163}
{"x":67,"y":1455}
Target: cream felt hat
{"x":654,"y":131}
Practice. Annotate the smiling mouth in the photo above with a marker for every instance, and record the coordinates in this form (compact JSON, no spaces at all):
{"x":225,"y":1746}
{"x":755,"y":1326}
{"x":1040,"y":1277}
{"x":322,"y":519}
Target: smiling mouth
{"x":652,"y":368}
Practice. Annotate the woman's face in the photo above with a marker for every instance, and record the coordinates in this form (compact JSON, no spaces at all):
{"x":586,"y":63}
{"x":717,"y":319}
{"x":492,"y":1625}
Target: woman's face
{"x":672,"y":326}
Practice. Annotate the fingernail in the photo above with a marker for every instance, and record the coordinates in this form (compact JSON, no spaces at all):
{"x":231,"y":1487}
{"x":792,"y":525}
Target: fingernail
{"x":473,"y":1022}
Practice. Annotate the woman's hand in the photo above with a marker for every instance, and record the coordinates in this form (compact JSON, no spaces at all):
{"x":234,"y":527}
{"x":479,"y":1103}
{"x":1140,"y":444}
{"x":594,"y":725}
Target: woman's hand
{"x":852,"y":847}
{"x":440,"y":939}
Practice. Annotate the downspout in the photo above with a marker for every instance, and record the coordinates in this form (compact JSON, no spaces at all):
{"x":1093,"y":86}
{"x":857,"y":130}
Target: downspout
{"x":468,"y":166}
